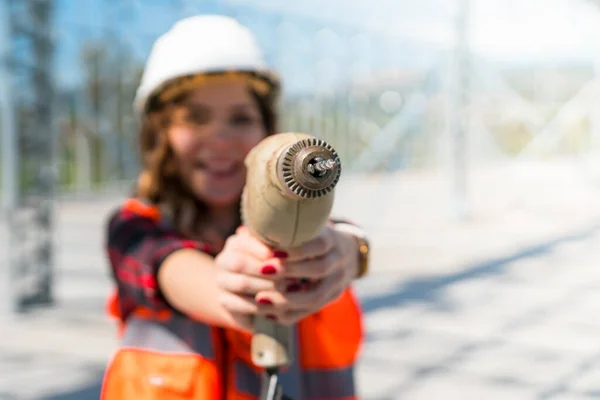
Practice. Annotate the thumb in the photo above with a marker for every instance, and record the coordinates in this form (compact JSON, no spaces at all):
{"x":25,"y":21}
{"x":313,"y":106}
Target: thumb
{"x":242,"y":230}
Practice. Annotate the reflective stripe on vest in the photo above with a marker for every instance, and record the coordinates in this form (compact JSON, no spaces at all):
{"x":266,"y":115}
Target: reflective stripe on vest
{"x":329,"y":383}
{"x":159,"y":336}
{"x":246,"y":380}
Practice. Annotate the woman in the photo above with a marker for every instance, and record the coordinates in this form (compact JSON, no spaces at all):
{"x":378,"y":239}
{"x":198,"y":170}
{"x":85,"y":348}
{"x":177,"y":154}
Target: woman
{"x":189,"y":278}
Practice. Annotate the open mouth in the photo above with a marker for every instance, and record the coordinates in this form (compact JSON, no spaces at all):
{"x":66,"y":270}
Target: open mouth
{"x":218,"y":169}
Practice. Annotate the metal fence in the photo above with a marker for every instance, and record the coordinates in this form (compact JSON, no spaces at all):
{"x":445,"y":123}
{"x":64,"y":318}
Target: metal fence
{"x":392,"y":86}
{"x":387,"y":100}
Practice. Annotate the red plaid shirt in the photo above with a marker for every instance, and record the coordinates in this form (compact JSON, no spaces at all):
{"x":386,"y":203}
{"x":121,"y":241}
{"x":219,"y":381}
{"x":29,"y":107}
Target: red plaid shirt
{"x":137,"y":245}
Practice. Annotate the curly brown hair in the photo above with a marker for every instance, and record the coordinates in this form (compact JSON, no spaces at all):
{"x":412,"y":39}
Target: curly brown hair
{"x":159,"y":181}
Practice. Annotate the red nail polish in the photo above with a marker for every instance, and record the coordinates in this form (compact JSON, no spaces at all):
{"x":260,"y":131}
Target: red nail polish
{"x":265,"y":301}
{"x":294,"y":287}
{"x":280,"y":254}
{"x":272,"y":317}
{"x":268,"y":270}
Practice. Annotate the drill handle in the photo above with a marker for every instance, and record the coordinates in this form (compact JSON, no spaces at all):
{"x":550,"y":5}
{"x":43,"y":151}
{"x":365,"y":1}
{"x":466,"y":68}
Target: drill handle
{"x":272,"y":345}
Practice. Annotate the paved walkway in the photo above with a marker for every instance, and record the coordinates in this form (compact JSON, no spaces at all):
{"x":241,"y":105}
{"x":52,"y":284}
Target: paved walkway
{"x":504,"y":306}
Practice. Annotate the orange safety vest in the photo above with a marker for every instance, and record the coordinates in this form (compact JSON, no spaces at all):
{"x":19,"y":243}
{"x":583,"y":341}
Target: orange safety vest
{"x":172,"y":357}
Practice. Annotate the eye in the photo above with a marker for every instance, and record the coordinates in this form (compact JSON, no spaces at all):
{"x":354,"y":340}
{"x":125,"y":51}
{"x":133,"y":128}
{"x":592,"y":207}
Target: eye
{"x":197,"y":116}
{"x":243,"y":119}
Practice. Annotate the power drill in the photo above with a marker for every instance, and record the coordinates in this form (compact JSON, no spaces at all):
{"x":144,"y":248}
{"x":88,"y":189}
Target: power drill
{"x":286,"y":202}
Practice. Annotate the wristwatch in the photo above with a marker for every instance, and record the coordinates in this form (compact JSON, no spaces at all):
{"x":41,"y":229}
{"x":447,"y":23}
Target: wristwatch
{"x":363,"y":245}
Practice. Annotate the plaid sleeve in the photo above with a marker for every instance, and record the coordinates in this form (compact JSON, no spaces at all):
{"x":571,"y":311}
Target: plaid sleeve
{"x":136,"y":247}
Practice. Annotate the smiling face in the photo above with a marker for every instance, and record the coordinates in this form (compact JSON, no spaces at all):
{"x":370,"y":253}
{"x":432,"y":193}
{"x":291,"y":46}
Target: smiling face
{"x":211,"y":134}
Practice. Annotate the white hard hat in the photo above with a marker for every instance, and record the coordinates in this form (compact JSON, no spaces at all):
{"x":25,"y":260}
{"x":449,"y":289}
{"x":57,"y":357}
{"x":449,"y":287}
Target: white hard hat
{"x":201,"y":44}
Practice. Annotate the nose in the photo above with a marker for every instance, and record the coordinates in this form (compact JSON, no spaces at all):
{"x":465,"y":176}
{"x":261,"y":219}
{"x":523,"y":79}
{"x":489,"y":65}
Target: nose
{"x":219,"y":135}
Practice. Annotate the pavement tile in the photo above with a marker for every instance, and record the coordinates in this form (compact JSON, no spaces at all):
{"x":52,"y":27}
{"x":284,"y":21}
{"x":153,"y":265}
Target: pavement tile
{"x":502,"y":306}
{"x":456,"y":386}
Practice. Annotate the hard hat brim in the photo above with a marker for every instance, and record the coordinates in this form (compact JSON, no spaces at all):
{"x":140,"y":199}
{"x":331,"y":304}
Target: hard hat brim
{"x":265,"y":83}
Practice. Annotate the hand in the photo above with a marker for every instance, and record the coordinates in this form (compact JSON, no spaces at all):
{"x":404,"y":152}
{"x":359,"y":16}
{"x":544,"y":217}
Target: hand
{"x":330,"y":262}
{"x":247,"y":267}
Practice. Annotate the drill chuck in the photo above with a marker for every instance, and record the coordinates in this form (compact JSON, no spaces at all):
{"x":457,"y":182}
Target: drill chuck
{"x":309,"y":168}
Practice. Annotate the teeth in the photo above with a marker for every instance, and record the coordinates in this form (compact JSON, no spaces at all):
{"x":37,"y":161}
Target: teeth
{"x":221,"y":168}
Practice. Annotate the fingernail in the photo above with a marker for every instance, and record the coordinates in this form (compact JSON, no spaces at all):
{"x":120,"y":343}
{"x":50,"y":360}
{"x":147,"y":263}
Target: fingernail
{"x":294,"y":287}
{"x":271,"y":317}
{"x":265,"y":301}
{"x":268,"y":270}
{"x":280,"y":254}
